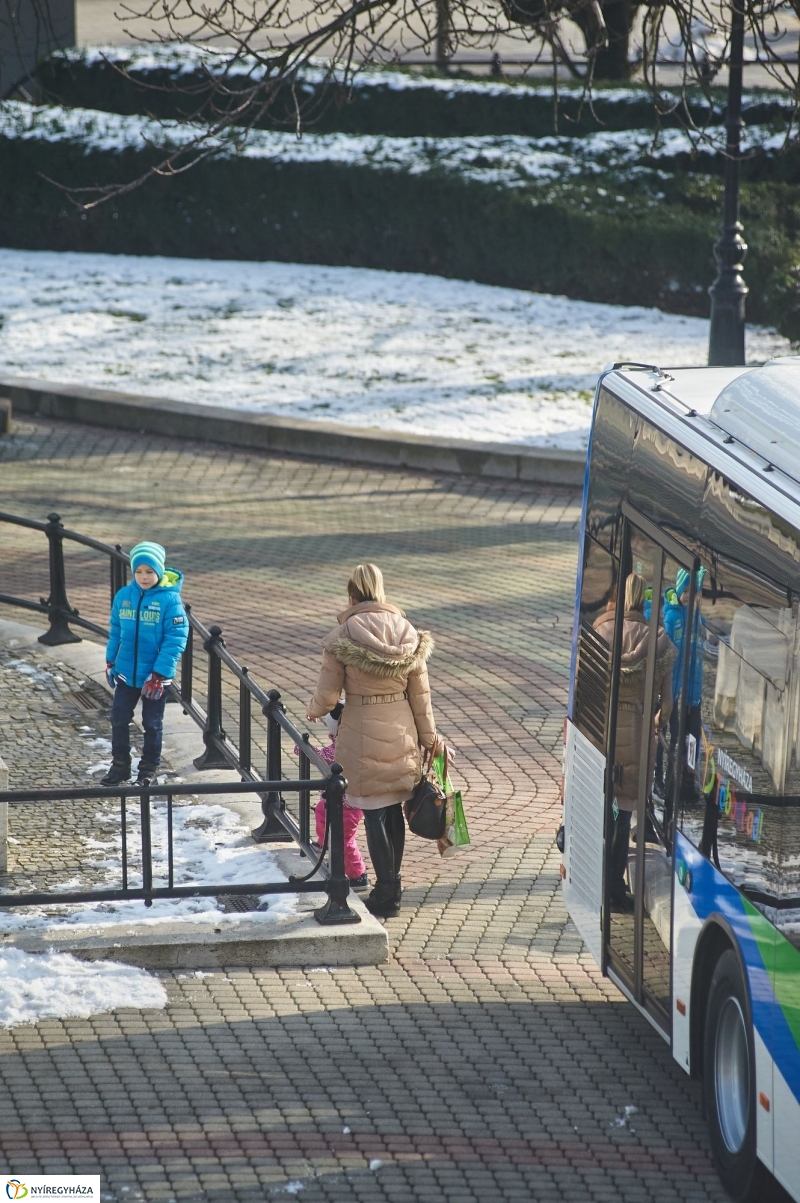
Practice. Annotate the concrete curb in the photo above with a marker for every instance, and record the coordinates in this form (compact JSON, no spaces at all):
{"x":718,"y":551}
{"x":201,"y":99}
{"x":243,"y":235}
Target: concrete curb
{"x":200,"y":943}
{"x":294,"y":436}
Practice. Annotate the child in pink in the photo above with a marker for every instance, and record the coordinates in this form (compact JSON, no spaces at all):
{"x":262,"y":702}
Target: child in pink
{"x":354,"y":865}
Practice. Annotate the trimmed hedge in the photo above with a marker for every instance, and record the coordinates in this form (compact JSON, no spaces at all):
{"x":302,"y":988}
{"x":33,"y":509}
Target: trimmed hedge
{"x":651,"y":254}
{"x":375,"y":106}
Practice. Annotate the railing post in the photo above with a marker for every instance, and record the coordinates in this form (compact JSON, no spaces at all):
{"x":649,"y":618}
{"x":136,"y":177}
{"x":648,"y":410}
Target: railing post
{"x":59,"y":610}
{"x":147,"y":850}
{"x":244,"y":726}
{"x":3,"y":821}
{"x":123,"y":820}
{"x":336,"y":909}
{"x":272,"y":830}
{"x":187,"y":663}
{"x":119,"y":572}
{"x":304,"y":798}
{"x":170,"y":848}
{"x":213,"y":734}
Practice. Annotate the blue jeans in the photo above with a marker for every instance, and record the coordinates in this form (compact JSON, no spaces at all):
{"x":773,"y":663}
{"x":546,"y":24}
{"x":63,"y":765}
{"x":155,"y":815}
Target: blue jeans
{"x":125,"y":699}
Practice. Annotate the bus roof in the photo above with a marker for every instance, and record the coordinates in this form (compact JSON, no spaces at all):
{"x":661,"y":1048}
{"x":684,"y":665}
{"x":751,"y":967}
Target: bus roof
{"x":745,"y":422}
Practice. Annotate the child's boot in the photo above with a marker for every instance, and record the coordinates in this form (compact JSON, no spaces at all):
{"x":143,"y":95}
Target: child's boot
{"x":119,"y":772}
{"x":147,"y":773}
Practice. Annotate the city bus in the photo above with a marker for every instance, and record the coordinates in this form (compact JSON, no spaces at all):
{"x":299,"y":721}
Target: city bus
{"x":681,"y":840}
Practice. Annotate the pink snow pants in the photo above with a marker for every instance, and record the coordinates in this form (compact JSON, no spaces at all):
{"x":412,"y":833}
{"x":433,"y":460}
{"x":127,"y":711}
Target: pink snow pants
{"x":353,"y":860}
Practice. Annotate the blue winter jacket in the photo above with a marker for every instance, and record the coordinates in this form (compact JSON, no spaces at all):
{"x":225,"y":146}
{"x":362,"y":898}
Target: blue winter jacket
{"x":149,"y":629}
{"x":674,"y":625}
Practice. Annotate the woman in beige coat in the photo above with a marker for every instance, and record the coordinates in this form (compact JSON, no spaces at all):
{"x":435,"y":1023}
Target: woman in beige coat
{"x":377,"y":658}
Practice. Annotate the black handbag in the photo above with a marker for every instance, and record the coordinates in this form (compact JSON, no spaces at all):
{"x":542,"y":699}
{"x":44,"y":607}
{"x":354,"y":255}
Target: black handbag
{"x":425,"y":810}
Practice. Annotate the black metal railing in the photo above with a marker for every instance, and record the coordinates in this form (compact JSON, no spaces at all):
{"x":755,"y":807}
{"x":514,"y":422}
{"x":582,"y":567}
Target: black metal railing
{"x":60,"y":613}
{"x":336,"y":909}
{"x":221,"y":752}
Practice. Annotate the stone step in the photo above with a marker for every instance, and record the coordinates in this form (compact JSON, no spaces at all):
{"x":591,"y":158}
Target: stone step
{"x":218,"y":940}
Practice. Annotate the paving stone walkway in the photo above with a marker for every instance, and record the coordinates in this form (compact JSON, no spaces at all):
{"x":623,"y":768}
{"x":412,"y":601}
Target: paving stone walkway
{"x":47,"y":738}
{"x":488,"y":1060}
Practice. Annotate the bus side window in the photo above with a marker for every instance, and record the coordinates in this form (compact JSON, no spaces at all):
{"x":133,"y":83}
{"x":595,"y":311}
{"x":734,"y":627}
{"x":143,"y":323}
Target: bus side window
{"x":741,"y":706}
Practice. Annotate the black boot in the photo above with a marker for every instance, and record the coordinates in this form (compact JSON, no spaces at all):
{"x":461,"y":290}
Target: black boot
{"x":384,"y":900}
{"x":117,"y":774}
{"x":386,"y":830}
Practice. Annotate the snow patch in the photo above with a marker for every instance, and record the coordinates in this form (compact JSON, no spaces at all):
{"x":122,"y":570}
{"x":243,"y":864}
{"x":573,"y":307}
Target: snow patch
{"x":37,"y":675}
{"x":211,"y":844}
{"x":182,"y":58}
{"x":388,"y":350}
{"x":508,"y":161}
{"x":57,"y":986}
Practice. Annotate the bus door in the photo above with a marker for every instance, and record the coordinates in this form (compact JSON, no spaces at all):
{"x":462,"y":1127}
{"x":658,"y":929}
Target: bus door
{"x":642,"y":785}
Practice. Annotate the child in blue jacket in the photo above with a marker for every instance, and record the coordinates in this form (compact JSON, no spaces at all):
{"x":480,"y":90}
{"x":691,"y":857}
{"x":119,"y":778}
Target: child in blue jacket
{"x":149,"y":630}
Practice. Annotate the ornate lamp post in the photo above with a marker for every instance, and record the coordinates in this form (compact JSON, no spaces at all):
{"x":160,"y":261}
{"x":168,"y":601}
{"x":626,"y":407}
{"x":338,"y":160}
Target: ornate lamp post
{"x":728,"y":292}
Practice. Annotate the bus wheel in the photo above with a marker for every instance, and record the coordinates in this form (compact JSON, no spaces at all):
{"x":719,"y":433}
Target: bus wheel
{"x":729,"y":1085}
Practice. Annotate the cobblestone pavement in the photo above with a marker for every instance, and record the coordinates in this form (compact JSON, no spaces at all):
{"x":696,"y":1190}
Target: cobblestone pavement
{"x":488,"y":1060}
{"x":47,"y":738}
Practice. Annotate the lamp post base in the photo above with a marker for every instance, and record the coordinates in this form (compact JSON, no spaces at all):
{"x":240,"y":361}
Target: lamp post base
{"x":726,"y":339}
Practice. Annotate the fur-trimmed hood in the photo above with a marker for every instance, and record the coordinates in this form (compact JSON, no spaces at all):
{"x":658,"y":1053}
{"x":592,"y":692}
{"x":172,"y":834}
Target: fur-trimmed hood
{"x":378,"y":638}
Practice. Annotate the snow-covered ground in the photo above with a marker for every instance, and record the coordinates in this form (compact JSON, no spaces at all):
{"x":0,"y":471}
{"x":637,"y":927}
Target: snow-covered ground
{"x":396,"y":351}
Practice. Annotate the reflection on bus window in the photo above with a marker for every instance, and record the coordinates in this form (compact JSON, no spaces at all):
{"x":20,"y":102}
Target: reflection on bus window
{"x":746,"y":757}
{"x":612,"y":441}
{"x":598,"y":582}
{"x":592,"y":676}
{"x":750,"y":695}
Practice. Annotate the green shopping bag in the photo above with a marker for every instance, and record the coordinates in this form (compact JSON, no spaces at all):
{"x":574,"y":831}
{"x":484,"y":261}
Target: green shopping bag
{"x":456,"y":832}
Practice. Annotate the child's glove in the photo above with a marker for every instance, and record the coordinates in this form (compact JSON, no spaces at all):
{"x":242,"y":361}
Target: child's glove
{"x":110,"y":675}
{"x":153,"y":687}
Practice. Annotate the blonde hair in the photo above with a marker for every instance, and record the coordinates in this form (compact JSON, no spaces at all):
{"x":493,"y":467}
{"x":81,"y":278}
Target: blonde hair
{"x":634,"y":592}
{"x":366,"y":583}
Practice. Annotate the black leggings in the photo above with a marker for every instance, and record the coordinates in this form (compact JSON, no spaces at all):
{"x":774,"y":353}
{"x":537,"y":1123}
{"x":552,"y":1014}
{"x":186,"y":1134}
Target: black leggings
{"x":386,"y":839}
{"x":618,"y":857}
